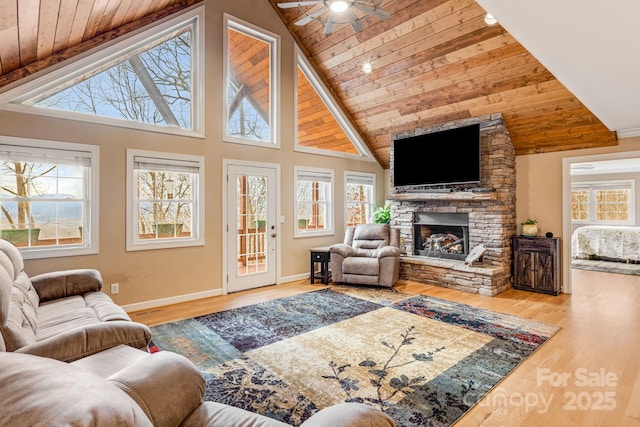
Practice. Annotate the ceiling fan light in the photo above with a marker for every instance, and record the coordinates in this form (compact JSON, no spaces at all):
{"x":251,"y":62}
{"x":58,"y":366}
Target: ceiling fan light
{"x":489,"y":19}
{"x":339,"y":6}
{"x":367,"y":68}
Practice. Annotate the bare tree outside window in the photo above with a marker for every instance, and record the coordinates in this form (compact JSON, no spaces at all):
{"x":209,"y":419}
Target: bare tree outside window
{"x":166,"y":202}
{"x":41,"y":203}
{"x":153,"y":86}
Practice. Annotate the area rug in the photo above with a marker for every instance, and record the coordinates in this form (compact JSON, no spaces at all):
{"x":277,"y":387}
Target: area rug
{"x":422,"y":360}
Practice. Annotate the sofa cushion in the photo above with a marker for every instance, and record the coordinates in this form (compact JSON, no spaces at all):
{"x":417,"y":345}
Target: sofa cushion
{"x":221,"y":415}
{"x":110,"y":361}
{"x":350,"y":414}
{"x":104,"y":307}
{"x":58,"y":323}
{"x":37,"y":391}
{"x":16,"y":328}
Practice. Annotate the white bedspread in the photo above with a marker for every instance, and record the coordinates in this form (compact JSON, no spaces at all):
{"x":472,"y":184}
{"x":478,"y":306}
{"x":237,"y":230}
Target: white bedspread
{"x":614,"y":242}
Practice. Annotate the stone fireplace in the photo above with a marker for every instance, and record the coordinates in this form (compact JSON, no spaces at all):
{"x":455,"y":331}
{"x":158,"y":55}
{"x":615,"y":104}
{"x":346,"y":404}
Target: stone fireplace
{"x":439,"y":226}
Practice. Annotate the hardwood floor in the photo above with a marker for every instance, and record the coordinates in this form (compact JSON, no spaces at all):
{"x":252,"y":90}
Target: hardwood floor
{"x":586,"y":375}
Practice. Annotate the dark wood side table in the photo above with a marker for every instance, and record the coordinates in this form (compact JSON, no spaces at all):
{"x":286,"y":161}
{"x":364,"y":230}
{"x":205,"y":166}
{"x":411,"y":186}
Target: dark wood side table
{"x":320,"y":255}
{"x":536,"y":264}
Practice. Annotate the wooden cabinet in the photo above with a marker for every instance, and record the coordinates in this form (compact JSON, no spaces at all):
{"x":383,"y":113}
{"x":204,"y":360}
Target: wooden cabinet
{"x":536,"y":264}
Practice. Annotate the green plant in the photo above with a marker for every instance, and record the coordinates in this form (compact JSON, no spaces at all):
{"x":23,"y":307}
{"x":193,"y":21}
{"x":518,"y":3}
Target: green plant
{"x":382,"y":214}
{"x":530,"y":221}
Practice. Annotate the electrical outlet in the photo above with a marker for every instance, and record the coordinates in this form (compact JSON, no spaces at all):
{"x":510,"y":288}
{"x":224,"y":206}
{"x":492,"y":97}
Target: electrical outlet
{"x":115,"y":288}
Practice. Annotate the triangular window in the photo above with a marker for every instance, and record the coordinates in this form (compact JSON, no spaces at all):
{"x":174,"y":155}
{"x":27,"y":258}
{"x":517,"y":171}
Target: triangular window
{"x":150,"y":83}
{"x":322,"y":126}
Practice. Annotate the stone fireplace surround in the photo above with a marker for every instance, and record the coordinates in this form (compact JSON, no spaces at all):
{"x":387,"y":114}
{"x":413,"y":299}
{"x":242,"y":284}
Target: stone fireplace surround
{"x":489,"y":204}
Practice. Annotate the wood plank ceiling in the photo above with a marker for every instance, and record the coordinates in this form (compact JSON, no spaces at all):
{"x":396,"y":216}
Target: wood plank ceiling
{"x":35,"y":34}
{"x":434,"y":61}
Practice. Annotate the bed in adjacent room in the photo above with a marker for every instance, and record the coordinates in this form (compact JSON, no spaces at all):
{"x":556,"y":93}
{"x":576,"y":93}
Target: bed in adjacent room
{"x":612,"y":243}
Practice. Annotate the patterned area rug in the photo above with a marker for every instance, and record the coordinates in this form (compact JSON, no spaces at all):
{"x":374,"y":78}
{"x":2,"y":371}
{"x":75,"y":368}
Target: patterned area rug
{"x":422,"y":360}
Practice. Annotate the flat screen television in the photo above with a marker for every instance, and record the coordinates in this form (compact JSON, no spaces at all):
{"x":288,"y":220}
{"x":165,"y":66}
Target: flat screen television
{"x":447,"y":157}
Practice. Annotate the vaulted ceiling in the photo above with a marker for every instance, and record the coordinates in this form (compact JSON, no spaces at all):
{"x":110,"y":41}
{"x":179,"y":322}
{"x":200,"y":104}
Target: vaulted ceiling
{"x":433,"y":61}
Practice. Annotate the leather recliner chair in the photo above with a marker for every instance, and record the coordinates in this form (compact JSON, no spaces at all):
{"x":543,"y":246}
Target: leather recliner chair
{"x":370,"y":255}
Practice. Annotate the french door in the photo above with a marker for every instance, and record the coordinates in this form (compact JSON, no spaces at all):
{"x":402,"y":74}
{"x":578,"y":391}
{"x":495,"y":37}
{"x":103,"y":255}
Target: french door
{"x":251,"y":229}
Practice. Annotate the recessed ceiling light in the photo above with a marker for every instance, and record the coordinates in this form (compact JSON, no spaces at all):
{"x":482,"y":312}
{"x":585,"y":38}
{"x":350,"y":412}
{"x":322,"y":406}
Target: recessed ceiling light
{"x":489,"y":19}
{"x":367,"y":68}
{"x":339,"y":6}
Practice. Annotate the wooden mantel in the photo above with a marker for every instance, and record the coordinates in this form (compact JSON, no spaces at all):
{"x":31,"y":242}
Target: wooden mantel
{"x":453,"y":195}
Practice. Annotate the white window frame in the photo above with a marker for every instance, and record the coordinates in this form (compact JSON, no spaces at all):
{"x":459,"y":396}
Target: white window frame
{"x":231,"y":22}
{"x":90,"y":243}
{"x":592,"y":186}
{"x":324,"y":174}
{"x":361,"y":176}
{"x":133,"y":243}
{"x":51,"y":78}
{"x":333,"y":106}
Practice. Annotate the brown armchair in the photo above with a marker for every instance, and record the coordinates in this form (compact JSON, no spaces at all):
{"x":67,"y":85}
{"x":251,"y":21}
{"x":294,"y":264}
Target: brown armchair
{"x":370,"y":255}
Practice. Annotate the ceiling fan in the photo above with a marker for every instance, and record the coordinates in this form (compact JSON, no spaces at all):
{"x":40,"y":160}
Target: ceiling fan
{"x":340,"y":12}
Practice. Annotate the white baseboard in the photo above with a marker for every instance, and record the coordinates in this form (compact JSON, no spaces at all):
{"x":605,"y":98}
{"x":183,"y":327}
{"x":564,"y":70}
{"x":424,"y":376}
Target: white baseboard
{"x":294,"y":278}
{"x":171,"y":300}
{"x":197,"y":295}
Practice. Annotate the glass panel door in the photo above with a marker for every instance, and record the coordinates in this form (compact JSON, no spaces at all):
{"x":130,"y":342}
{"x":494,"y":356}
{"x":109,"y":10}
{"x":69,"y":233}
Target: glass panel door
{"x":252,"y":229}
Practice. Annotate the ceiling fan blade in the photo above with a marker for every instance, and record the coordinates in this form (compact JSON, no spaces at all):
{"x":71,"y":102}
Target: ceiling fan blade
{"x":310,"y":17}
{"x":355,"y":22}
{"x":373,"y":11}
{"x":292,"y":4}
{"x":328,"y":28}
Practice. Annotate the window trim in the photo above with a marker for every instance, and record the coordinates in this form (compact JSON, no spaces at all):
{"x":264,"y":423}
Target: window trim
{"x":198,"y":212}
{"x":348,"y":174}
{"x":329,"y":230}
{"x":93,"y":151}
{"x":68,"y":70}
{"x":231,"y":22}
{"x":338,"y":113}
{"x":592,"y":186}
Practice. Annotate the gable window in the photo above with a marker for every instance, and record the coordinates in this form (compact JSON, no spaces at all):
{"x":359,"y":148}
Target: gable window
{"x":359,"y":196}
{"x":314,"y":202}
{"x":49,"y":197}
{"x":603,"y":202}
{"x":250,"y":78}
{"x":166,"y":200}
{"x":150,"y":81}
{"x":323,"y":128}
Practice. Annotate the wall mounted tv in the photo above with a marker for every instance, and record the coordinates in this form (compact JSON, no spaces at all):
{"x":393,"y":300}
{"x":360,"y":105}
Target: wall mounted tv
{"x":447,"y":157}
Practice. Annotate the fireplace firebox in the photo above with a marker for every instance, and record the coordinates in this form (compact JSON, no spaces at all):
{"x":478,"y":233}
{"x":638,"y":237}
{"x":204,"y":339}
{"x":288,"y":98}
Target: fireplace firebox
{"x":441,"y":235}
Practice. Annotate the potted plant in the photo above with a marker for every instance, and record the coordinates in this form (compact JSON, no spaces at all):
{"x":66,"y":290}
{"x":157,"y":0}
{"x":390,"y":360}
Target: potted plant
{"x":529,"y":228}
{"x":382,"y":214}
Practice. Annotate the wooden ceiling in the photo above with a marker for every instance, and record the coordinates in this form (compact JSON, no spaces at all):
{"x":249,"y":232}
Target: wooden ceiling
{"x":35,"y":34}
{"x":434,"y":61}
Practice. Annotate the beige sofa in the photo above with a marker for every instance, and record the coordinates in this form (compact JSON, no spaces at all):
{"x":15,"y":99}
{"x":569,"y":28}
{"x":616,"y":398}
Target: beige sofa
{"x":123,"y":386}
{"x":370,"y":255}
{"x":61,"y":315}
